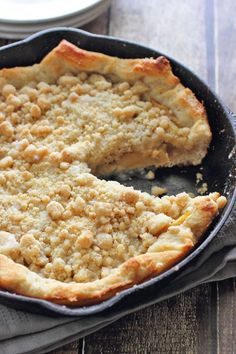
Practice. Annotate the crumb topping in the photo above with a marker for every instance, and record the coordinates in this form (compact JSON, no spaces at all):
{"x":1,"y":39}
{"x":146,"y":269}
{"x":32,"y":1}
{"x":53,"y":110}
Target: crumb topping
{"x":72,"y":226}
{"x":84,"y":117}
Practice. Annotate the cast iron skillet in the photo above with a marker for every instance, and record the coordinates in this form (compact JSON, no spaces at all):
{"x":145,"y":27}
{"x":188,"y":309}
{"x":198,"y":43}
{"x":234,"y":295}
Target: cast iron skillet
{"x":217,"y":168}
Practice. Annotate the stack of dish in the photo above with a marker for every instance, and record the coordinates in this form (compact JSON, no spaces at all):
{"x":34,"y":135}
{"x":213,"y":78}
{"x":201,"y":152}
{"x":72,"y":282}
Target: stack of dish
{"x":20,"y":18}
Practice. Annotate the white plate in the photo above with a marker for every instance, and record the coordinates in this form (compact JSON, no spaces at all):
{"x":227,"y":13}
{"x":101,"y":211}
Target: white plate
{"x":42,"y":10}
{"x":22,"y":30}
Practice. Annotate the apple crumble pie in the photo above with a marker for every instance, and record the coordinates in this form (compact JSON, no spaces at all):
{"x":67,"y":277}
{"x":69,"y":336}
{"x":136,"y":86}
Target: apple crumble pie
{"x":66,"y":235}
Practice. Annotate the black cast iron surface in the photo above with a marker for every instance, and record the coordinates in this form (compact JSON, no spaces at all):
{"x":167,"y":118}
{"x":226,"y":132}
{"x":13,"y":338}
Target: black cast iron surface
{"x":218,"y":168}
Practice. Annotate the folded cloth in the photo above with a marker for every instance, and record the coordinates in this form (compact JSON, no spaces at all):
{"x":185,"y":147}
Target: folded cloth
{"x":22,"y":332}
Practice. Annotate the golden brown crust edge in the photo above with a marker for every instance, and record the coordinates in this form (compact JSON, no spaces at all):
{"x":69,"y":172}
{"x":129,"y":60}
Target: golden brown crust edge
{"x":21,"y":280}
{"x":17,"y":278}
{"x":67,"y":57}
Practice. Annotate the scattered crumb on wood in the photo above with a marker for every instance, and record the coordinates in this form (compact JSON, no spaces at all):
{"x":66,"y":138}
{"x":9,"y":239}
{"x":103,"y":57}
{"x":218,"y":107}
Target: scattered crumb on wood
{"x":150,"y":175}
{"x":156,"y":191}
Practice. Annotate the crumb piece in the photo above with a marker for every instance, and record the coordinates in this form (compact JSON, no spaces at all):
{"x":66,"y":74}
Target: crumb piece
{"x":103,"y":209}
{"x":150,"y":175}
{"x":6,"y":129}
{"x":85,"y":240}
{"x":203,"y":189}
{"x":35,"y":111}
{"x":199,"y":177}
{"x":104,"y":241}
{"x":78,"y":205}
{"x":192,"y":195}
{"x":73,"y":97}
{"x":130,"y":197}
{"x":156,"y":191}
{"x":8,"y":90}
{"x":26,"y":175}
{"x":158,"y":223}
{"x":33,"y":154}
{"x":55,"y":158}
{"x":8,"y":245}
{"x":22,"y":144}
{"x":55,"y":210}
{"x":221,"y":202}
{"x":65,"y":191}
{"x":6,"y":162}
{"x":64,"y":165}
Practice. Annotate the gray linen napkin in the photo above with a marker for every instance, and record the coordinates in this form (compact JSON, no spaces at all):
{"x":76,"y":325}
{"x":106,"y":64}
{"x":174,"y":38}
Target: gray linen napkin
{"x":22,"y":332}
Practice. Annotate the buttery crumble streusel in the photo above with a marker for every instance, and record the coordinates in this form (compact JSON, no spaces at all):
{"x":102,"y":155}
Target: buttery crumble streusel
{"x":86,"y":117}
{"x":74,"y":227}
{"x":74,"y":238}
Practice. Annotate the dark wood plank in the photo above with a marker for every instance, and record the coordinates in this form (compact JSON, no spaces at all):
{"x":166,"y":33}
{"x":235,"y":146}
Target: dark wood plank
{"x":173,"y":326}
{"x":72,"y":348}
{"x":227,"y":316}
{"x":225,"y":30}
{"x":186,"y":323}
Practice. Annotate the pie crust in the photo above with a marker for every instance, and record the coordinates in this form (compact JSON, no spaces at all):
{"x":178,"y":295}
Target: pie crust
{"x":65,"y":235}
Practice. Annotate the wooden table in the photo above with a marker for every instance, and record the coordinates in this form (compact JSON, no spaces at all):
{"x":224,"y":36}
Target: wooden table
{"x":202,"y":35}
